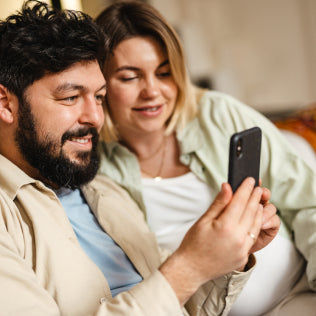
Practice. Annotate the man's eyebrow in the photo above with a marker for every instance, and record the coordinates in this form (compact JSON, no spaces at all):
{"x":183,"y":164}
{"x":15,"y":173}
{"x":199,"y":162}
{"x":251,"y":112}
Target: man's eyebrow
{"x":102,"y":87}
{"x":72,"y":86}
{"x":68,"y":87}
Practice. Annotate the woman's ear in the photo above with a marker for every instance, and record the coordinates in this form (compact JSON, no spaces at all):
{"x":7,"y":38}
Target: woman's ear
{"x":7,"y":104}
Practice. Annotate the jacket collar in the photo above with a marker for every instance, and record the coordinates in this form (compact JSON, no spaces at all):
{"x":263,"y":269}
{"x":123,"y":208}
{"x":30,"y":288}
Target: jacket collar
{"x":190,"y":138}
{"x":123,"y":221}
{"x":113,"y":148}
{"x":18,"y":178}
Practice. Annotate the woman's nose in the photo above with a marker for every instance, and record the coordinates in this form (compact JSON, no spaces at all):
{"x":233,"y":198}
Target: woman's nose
{"x":150,"y":88}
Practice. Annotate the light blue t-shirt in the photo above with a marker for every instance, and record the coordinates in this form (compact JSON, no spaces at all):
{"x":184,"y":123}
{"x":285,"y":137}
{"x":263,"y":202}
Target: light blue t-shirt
{"x":98,"y":245}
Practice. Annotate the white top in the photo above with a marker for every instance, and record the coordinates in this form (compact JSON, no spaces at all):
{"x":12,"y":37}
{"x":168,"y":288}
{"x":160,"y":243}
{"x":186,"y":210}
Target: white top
{"x":173,"y":205}
{"x":279,"y":266}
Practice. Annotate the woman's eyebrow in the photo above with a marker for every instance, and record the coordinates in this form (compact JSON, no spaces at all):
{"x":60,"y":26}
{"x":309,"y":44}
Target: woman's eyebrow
{"x":164,"y":63}
{"x":133,"y":68}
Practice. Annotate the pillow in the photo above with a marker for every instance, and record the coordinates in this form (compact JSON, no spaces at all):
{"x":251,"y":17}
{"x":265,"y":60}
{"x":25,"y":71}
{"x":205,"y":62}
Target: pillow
{"x":302,"y":122}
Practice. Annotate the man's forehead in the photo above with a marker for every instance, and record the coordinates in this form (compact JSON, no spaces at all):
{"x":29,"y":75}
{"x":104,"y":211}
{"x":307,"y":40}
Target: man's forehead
{"x":80,"y":76}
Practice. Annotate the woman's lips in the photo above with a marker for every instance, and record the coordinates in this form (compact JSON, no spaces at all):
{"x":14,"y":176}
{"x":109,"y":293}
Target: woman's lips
{"x":149,"y":110}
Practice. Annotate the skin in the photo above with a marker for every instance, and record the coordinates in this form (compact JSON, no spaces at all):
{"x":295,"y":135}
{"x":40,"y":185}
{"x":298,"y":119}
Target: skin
{"x":228,"y":221}
{"x":141,"y":97}
{"x":138,"y":78}
{"x":71,"y":99}
{"x":142,"y":91}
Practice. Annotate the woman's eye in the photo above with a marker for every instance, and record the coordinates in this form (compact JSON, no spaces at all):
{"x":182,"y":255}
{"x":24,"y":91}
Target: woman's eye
{"x":164,"y":74}
{"x":128,"y":78}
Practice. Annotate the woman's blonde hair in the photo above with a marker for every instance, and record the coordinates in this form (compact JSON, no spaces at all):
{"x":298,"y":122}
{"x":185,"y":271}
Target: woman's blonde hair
{"x":127,"y":19}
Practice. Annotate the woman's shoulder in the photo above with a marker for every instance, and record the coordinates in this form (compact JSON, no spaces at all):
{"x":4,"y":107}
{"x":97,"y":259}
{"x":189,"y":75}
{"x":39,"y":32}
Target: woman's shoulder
{"x":217,"y":99}
{"x":226,"y":109}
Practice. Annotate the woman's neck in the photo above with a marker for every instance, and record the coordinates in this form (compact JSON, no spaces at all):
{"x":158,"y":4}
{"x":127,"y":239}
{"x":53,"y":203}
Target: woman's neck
{"x":145,"y":146}
{"x":158,"y":155}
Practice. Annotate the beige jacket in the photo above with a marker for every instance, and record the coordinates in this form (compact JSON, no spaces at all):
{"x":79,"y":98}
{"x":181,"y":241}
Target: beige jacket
{"x":44,"y":271}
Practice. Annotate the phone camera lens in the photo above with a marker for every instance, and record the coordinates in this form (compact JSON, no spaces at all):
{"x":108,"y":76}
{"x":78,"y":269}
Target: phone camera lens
{"x":239,"y":148}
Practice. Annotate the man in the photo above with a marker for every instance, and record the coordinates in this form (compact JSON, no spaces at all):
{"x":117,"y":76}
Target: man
{"x":74,"y":245}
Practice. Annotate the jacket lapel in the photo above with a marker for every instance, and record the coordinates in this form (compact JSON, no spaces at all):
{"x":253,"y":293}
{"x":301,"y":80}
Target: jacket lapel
{"x":124,"y":222}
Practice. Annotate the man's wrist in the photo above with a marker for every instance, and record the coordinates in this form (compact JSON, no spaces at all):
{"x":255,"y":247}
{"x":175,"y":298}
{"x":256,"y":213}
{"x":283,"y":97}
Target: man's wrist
{"x":180,"y":278}
{"x":250,"y":264}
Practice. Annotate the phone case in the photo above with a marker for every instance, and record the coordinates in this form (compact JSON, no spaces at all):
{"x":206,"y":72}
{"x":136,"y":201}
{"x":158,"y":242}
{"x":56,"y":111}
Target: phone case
{"x":244,"y":156}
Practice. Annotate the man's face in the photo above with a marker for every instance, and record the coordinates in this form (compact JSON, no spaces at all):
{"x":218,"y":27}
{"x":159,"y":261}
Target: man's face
{"x":58,"y":125}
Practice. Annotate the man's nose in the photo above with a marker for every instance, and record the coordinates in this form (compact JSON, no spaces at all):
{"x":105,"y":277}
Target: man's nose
{"x":92,"y":113}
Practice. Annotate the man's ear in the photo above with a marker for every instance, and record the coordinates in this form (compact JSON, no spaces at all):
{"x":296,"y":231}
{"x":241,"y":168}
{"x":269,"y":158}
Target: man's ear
{"x":7,"y":105}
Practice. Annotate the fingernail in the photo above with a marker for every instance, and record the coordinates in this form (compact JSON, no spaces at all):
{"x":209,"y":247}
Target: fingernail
{"x":265,"y":225}
{"x":253,"y":181}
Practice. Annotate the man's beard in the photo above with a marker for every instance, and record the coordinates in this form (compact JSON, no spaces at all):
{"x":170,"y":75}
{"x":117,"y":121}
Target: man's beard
{"x":48,"y":157}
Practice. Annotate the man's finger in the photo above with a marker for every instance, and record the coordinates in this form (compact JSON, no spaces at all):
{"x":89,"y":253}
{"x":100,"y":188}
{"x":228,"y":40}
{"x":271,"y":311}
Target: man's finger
{"x":221,"y":201}
{"x":239,"y":201}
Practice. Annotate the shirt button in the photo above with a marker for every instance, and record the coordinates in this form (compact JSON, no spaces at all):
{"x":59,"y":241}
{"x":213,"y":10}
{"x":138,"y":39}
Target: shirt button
{"x":186,"y":159}
{"x":72,"y":239}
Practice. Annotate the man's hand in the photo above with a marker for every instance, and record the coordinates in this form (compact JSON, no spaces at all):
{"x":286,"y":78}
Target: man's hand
{"x":270,"y":223}
{"x":219,"y":242}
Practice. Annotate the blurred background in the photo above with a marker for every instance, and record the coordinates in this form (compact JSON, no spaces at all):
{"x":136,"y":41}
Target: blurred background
{"x":262,"y":52}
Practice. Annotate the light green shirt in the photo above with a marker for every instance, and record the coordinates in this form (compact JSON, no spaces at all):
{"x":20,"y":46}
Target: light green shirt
{"x":204,"y":147}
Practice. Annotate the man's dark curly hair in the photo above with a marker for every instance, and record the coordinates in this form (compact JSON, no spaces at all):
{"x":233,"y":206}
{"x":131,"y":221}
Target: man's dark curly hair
{"x":39,"y":40}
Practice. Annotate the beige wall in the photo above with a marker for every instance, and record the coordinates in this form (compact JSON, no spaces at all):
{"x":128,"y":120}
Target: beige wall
{"x":8,"y":7}
{"x":71,"y":4}
{"x":263,"y":52}
{"x":94,"y":7}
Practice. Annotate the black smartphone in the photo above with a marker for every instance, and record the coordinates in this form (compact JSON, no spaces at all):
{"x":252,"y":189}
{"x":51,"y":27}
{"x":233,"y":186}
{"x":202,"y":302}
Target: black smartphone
{"x":244,"y":156}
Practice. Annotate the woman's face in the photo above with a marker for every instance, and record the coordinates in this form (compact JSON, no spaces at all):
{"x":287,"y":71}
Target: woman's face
{"x":141,"y":90}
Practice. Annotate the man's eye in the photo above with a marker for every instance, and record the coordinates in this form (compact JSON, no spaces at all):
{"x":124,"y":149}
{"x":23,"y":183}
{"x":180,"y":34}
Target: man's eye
{"x":100,"y":98}
{"x":70,"y":99}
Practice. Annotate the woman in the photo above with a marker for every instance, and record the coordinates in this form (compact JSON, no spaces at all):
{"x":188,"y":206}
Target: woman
{"x":167,"y":144}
